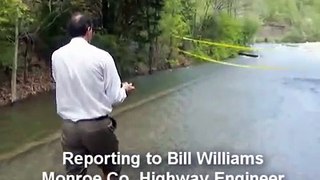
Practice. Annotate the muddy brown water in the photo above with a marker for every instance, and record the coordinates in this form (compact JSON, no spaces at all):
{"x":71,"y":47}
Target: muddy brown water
{"x":242,"y":111}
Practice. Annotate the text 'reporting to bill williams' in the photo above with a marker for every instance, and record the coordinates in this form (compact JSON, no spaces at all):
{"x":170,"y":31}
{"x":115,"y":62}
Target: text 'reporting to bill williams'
{"x":171,"y":159}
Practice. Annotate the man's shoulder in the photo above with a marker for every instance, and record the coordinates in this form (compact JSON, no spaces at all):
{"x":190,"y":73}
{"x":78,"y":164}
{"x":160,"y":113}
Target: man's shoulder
{"x":99,"y":50}
{"x":59,"y":51}
{"x":105,"y":55}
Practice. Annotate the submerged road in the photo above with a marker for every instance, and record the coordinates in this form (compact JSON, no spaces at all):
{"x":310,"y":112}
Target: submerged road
{"x":241,"y":111}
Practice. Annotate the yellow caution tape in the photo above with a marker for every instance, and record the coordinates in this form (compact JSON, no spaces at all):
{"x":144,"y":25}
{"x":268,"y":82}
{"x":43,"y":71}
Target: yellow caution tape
{"x":230,"y":64}
{"x":217,"y":44}
{"x":226,"y":46}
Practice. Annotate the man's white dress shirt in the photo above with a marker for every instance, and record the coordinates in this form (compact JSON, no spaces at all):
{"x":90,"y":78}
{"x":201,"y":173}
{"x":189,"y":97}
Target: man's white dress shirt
{"x":87,"y":81}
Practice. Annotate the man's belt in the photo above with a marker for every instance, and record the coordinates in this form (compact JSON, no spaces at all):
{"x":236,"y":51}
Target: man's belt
{"x":112,"y":125}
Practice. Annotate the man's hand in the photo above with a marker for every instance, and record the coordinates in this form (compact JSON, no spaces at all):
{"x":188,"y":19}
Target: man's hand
{"x":128,"y":87}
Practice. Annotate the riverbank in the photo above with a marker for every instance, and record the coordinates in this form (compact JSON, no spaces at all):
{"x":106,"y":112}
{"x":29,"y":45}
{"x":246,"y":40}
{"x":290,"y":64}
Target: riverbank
{"x":37,"y":82}
{"x":40,"y":81}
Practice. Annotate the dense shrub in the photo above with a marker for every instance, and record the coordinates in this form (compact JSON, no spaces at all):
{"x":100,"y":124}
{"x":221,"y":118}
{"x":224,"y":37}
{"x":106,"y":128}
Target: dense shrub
{"x":126,"y":54}
{"x":225,"y":29}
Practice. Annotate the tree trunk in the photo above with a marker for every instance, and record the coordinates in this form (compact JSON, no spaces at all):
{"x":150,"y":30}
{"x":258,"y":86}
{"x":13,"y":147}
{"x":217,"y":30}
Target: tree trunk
{"x":150,"y":57}
{"x":25,"y":74}
{"x":14,"y":65}
{"x":170,"y":45}
{"x":156,"y":53}
{"x":205,"y":14}
{"x":149,"y":38}
{"x":194,"y":24}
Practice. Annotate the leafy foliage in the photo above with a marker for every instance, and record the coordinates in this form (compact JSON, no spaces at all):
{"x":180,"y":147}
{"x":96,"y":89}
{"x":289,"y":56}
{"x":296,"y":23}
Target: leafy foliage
{"x":10,"y":10}
{"x":302,"y":16}
{"x":139,"y":34}
{"x":124,"y":52}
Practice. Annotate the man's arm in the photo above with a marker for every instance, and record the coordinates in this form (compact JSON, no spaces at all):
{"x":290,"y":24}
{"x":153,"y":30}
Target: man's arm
{"x":53,"y":75}
{"x":113,"y":89}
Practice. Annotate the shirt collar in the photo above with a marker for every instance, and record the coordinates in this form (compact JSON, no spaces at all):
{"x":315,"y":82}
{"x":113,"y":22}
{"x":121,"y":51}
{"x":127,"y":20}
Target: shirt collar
{"x":78,"y":40}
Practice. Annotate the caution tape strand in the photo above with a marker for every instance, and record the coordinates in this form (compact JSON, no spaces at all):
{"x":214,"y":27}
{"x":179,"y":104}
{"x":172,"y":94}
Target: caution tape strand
{"x":217,"y":44}
{"x":223,"y":62}
{"x":230,"y":64}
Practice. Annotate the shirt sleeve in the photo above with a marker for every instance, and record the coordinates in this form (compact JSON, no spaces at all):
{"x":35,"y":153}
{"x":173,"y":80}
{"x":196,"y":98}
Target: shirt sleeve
{"x":53,"y":67}
{"x":113,"y":88}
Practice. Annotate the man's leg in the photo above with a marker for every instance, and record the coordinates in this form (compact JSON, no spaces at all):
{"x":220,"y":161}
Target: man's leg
{"x":71,"y":143}
{"x":99,"y":139}
{"x":107,"y":170}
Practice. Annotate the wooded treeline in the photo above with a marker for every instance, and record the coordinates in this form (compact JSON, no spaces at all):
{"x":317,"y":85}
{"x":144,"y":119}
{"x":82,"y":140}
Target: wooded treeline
{"x":137,"y":33}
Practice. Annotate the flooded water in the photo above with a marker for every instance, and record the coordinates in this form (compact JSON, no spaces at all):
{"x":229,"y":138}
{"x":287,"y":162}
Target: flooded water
{"x":241,"y":111}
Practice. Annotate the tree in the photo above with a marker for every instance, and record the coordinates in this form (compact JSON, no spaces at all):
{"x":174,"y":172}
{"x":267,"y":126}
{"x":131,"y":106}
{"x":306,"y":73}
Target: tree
{"x":177,"y":19}
{"x":12,"y":11}
{"x":147,"y":29}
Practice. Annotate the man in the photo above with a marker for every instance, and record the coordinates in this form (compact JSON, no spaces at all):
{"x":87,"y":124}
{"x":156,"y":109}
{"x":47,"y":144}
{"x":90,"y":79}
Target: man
{"x":87,"y":87}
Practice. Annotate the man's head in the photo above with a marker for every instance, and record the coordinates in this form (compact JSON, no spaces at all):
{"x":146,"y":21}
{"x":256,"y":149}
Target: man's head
{"x":80,"y":26}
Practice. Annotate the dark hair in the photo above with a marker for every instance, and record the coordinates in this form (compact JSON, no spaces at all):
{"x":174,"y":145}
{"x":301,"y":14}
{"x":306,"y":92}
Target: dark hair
{"x":79,"y":24}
